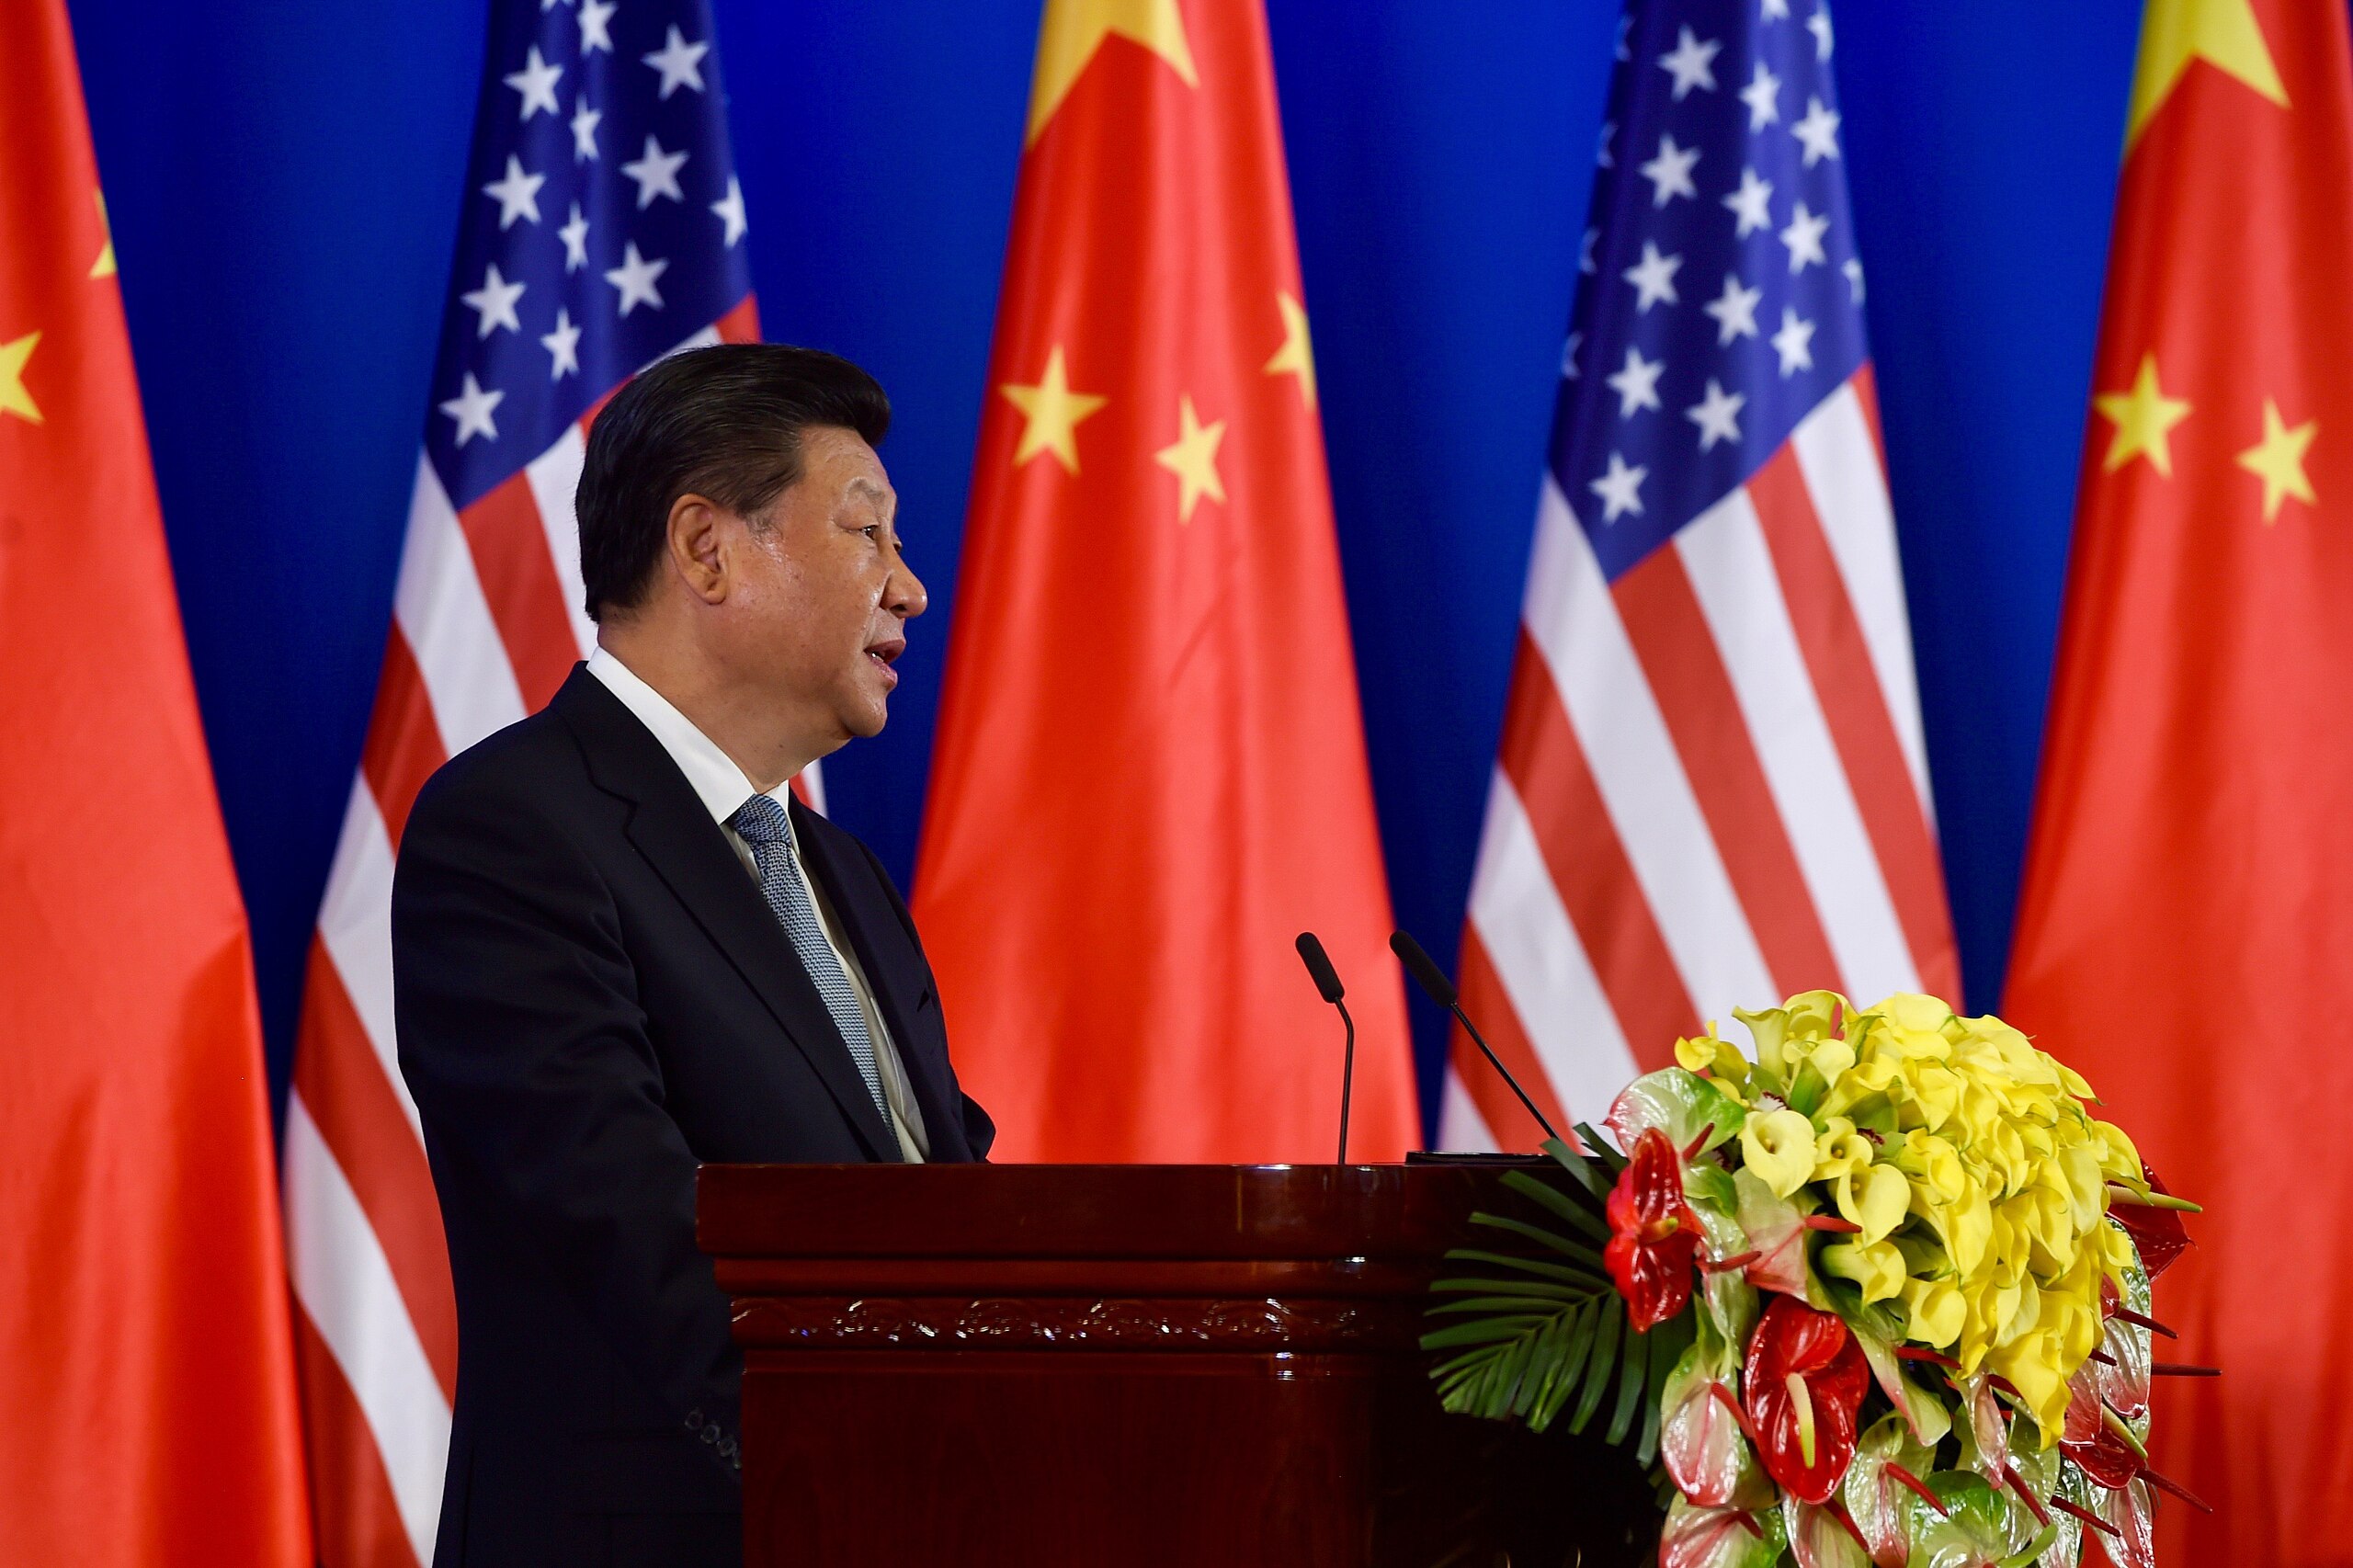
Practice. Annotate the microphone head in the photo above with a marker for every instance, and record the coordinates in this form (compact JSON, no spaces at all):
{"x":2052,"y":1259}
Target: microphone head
{"x":1422,"y":968}
{"x":1319,"y":967}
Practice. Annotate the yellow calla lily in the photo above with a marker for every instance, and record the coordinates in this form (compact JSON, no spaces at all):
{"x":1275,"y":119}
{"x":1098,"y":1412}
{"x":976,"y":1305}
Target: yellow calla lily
{"x":2120,"y":1159}
{"x":2032,"y":1364}
{"x":1830,"y":1058}
{"x":1717,"y":1059}
{"x":1966,"y":1227}
{"x":1878,"y":1267}
{"x":2048,"y":1221}
{"x":1933,"y":1097}
{"x":2077,"y":1163}
{"x":1809,"y":1016}
{"x":1876,"y":1198}
{"x":1915,"y":1024}
{"x":2116,"y":1253}
{"x":1866,"y":1082}
{"x":1936,"y":1310}
{"x":1838,"y":1149}
{"x":1934,"y":1165}
{"x":2075,"y":1324}
{"x":1778,"y":1148}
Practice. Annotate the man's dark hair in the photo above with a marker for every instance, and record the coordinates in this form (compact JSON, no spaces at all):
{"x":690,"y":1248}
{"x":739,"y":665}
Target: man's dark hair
{"x":724,"y":423}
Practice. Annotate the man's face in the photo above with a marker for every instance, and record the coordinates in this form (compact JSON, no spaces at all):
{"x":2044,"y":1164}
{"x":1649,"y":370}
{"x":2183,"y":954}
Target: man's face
{"x":819,"y":607}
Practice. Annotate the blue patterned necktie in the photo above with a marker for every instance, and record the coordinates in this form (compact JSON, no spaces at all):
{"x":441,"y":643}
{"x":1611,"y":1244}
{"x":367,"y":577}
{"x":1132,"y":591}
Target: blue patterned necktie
{"x":760,"y":822}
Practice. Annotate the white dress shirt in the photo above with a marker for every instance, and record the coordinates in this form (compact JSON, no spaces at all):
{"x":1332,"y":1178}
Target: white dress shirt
{"x":722,"y":787}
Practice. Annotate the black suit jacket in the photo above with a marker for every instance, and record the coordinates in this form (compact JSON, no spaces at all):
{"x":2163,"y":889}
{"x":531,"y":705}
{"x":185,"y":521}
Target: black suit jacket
{"x":593,"y":998}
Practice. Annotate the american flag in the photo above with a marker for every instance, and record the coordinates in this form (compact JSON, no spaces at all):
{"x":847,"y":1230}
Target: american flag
{"x":1710,"y":790}
{"x":603,"y":227}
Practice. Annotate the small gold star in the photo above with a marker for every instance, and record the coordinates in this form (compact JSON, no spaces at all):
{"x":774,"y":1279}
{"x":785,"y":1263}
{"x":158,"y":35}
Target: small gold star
{"x":2141,"y":417}
{"x":1053,"y":412}
{"x":14,"y":398}
{"x":1295,"y":356}
{"x":2279,"y":460}
{"x":1192,"y":458}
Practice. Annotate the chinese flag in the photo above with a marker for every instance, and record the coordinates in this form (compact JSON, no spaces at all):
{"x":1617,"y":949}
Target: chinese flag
{"x":2186,"y":932}
{"x":1150,"y":773}
{"x":147,"y":1407}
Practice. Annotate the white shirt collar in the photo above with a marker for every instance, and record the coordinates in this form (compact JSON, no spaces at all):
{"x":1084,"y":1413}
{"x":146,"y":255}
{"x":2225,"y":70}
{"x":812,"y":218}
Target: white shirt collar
{"x":718,"y":782}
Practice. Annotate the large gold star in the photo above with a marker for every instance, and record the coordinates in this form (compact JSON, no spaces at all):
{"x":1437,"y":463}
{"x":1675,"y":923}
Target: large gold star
{"x":1075,"y":29}
{"x":2224,"y":33}
{"x":1295,"y":356}
{"x":2279,"y":460}
{"x":1192,"y":458}
{"x":14,"y":399}
{"x":2141,"y":417}
{"x":1053,"y":412}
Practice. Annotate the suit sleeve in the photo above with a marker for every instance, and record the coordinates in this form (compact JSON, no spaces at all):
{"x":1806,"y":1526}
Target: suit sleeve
{"x":980,"y":1129}
{"x":523,"y":1042}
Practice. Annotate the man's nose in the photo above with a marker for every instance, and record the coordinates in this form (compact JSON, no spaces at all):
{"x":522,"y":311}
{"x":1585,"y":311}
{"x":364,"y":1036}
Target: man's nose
{"x":904,"y":595}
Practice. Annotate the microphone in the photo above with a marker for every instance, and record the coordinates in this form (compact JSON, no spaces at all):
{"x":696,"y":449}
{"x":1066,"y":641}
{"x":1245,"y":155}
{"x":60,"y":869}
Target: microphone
{"x":1327,"y":981}
{"x":1432,"y":979}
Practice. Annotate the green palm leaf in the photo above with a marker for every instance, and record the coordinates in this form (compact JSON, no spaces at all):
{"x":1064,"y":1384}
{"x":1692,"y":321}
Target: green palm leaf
{"x":1600,"y":1366}
{"x":1542,"y":1336}
{"x":1593,"y":1278}
{"x":1543,"y":1237}
{"x":1579,"y":1214}
{"x":1575,"y":1343}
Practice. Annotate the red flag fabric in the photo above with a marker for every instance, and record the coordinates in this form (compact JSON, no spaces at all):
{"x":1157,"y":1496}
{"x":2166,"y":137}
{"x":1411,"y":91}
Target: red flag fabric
{"x":2185,"y":934}
{"x":1150,"y":771}
{"x":147,"y":1405}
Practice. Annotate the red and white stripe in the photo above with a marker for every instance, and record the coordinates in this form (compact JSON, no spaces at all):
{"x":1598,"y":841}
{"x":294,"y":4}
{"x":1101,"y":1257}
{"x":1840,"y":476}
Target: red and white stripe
{"x":1710,"y":792}
{"x":487,"y":621}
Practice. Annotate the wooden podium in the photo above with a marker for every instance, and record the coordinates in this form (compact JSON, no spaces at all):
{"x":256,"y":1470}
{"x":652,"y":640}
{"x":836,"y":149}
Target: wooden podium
{"x":1058,"y":1366}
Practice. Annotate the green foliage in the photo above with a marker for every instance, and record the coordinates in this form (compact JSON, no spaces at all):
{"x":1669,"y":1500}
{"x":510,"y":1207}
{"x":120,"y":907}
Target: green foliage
{"x":1541,"y":1335}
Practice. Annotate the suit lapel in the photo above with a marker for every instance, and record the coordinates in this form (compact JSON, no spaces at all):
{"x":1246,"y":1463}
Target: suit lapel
{"x":688,"y":851}
{"x":847,"y":880}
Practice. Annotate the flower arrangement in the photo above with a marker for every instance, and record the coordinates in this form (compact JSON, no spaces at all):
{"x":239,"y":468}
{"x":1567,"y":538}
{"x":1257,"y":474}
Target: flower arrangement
{"x":1878,"y":1290}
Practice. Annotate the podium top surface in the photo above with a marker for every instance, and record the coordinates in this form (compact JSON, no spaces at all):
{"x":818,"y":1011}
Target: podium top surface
{"x":1089,"y":1212}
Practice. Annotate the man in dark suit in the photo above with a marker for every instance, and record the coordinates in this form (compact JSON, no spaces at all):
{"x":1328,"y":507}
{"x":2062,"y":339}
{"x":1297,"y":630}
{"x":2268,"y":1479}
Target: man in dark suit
{"x":621,"y":948}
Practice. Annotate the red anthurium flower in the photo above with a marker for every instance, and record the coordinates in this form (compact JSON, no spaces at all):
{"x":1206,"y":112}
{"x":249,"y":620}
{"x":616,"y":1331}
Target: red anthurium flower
{"x":1828,"y":1538}
{"x":2120,"y":1369}
{"x":1804,"y":1381}
{"x":2090,"y":1439}
{"x":1719,"y":1538}
{"x":1877,"y":1493}
{"x":1986,"y":1425}
{"x":1654,"y":1236}
{"x":2157,"y":1232}
{"x":2130,"y":1512}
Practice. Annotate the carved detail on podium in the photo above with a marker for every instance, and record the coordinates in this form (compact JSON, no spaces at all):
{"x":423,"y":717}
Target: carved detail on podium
{"x":1034,"y":1323}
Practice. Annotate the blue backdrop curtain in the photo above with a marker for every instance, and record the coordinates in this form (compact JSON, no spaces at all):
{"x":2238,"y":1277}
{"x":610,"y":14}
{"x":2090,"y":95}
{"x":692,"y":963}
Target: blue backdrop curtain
{"x":285,"y":182}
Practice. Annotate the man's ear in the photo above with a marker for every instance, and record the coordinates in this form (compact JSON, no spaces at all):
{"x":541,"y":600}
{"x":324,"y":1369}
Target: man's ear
{"x":693,"y":538}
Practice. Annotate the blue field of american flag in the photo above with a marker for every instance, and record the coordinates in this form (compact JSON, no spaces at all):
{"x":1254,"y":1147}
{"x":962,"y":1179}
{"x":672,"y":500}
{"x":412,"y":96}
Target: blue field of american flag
{"x":603,"y":228}
{"x":1711,"y":789}
{"x":605,"y":213}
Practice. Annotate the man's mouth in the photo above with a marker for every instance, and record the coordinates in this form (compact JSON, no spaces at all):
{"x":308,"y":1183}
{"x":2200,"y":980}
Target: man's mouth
{"x":885,"y":653}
